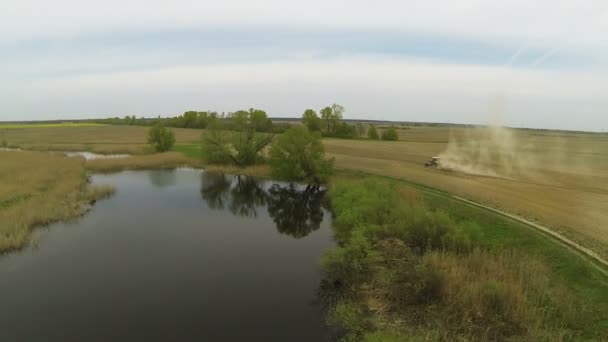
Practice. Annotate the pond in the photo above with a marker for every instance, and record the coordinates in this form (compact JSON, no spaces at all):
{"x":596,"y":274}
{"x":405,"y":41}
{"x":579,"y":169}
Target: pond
{"x":179,"y":255}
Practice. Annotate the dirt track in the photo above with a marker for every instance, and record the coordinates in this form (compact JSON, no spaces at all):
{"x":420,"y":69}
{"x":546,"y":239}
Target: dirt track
{"x":564,"y":240}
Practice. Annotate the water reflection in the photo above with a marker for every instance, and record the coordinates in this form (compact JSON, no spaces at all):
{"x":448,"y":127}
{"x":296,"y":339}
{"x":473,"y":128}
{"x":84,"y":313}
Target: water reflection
{"x":297,"y":210}
{"x":162,"y":178}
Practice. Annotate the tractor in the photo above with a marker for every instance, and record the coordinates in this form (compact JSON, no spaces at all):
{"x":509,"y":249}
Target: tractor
{"x":434,"y":162}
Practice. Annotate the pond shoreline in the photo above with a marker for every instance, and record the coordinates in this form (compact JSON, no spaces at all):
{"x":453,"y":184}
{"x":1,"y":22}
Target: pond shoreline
{"x":175,"y":252}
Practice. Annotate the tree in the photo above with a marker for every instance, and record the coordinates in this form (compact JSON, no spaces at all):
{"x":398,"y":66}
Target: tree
{"x":235,"y":140}
{"x":161,"y":138}
{"x":360,"y":129}
{"x":336,"y":115}
{"x":311,"y":120}
{"x":260,"y":120}
{"x":372,"y":133}
{"x":298,"y":155}
{"x":390,"y":134}
{"x":326,"y":115}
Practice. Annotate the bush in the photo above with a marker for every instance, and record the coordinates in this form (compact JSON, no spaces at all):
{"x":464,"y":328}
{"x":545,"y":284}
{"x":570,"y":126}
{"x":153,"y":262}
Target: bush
{"x":372,"y":133}
{"x":349,"y":264}
{"x":161,"y":138}
{"x":390,"y":134}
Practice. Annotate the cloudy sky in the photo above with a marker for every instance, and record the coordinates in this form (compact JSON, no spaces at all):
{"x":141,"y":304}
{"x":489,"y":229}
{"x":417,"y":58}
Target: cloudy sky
{"x":529,"y":63}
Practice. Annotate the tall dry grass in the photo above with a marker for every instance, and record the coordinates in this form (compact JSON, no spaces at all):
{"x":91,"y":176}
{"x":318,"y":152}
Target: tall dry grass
{"x":168,"y":160}
{"x":39,"y":188}
{"x":500,"y":295}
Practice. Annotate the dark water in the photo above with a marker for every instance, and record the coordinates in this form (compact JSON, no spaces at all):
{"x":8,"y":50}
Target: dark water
{"x":174,"y":256}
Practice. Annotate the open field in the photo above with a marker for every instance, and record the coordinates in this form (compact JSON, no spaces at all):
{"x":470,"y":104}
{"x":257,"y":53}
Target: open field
{"x":560,"y":179}
{"x":47,"y":125}
{"x":39,"y":188}
{"x":98,"y":138}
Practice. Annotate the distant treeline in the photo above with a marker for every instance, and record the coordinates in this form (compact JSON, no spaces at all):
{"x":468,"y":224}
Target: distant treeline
{"x":201,"y":120}
{"x":196,"y":119}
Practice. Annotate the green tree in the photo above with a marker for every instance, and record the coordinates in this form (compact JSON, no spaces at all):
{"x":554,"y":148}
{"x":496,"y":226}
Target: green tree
{"x":235,"y":139}
{"x":259,"y":120}
{"x":336,"y":116}
{"x":326,"y":115}
{"x":372,"y":133}
{"x":390,"y":134}
{"x":161,"y":138}
{"x":311,"y":120}
{"x":298,"y":155}
{"x":360,"y":129}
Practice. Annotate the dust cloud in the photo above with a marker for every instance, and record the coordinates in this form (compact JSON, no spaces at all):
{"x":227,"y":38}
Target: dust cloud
{"x":492,"y":150}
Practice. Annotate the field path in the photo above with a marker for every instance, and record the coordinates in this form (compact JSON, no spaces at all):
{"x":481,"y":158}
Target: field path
{"x":564,"y":240}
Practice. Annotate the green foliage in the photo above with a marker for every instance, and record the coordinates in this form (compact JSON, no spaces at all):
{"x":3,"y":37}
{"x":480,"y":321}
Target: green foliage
{"x":372,"y":133}
{"x":383,"y":336}
{"x":333,"y":125}
{"x":371,"y":202}
{"x":390,"y":134}
{"x":242,"y":145}
{"x":360,"y":129}
{"x":327,"y":116}
{"x":311,"y":120}
{"x":161,"y":138}
{"x":344,"y":130}
{"x":347,"y":316}
{"x":351,"y":263}
{"x":298,"y":155}
{"x":201,"y":120}
{"x":401,"y":262}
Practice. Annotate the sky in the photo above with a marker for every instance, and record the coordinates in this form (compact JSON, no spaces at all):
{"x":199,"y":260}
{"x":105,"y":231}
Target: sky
{"x":540,"y":64}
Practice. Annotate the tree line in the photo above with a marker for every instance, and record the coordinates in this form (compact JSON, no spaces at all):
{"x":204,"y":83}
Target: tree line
{"x":247,"y":137}
{"x":329,"y":122}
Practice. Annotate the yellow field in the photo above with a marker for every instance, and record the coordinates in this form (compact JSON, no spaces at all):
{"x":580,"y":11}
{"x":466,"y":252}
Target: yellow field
{"x":39,"y":188}
{"x":557,"y":179}
{"x":100,"y":139}
{"x":47,"y":125}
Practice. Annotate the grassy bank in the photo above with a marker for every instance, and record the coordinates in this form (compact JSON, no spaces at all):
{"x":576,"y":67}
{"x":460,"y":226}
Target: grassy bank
{"x":416,"y":265}
{"x":168,"y":160}
{"x":39,"y":188}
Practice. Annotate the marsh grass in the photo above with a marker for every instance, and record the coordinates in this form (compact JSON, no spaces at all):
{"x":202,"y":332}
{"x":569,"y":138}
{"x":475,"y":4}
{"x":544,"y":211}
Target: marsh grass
{"x":167,"y":160}
{"x":39,"y":188}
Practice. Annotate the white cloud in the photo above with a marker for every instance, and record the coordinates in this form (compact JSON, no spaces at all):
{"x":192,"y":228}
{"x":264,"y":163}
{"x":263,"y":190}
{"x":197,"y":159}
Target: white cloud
{"x":370,"y":88}
{"x":149,"y":80}
{"x":543,"y":21}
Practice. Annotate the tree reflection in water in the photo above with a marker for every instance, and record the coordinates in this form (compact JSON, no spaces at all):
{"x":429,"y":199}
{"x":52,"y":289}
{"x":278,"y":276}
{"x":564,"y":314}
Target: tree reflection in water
{"x":296,"y":210}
